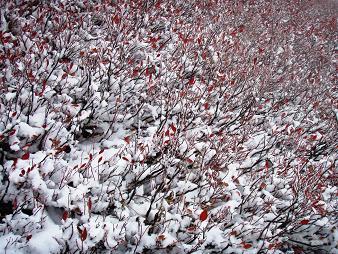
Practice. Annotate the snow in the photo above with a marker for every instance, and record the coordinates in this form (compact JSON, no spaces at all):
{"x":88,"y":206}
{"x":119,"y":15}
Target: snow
{"x":214,"y":236}
{"x":127,"y":122}
{"x":6,"y":244}
{"x":26,"y":130}
{"x":45,"y":241}
{"x":38,"y":119}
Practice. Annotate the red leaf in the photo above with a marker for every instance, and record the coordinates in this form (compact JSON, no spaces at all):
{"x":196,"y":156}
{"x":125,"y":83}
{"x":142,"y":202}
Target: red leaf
{"x":125,"y":158}
{"x":116,"y":19}
{"x":127,"y":139}
{"x":313,"y":137}
{"x":84,"y":234}
{"x":15,"y":204}
{"x":192,"y":81}
{"x":135,"y":72}
{"x":233,"y":33}
{"x":233,"y":233}
{"x":304,"y":222}
{"x":28,"y":237}
{"x":206,"y":106}
{"x":182,"y":93}
{"x":100,"y":159}
{"x":241,"y":28}
{"x":262,"y":186}
{"x":204,"y":215}
{"x":89,"y":203}
{"x":130,"y":61}
{"x":204,"y":55}
{"x":191,"y":228}
{"x":31,"y":76}
{"x":64,"y":75}
{"x":44,"y":84}
{"x":247,"y":245}
{"x":65,"y":215}
{"x":173,"y":128}
{"x":101,"y":151}
{"x":271,"y":246}
{"x":12,"y":132}
{"x":15,"y":161}
{"x":255,"y":60}
{"x":90,"y":156}
{"x":166,"y":133}
{"x":153,"y":40}
{"x":13,"y":114}
{"x":190,"y":161}
{"x":299,"y":130}
{"x":158,"y":5}
{"x":25,"y":156}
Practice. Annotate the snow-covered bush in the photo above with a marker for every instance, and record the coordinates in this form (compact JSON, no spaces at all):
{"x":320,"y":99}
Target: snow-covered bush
{"x":168,"y":127}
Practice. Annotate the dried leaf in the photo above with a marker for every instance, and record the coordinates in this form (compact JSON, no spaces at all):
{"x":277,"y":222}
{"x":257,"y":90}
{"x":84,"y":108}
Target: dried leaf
{"x":161,"y":237}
